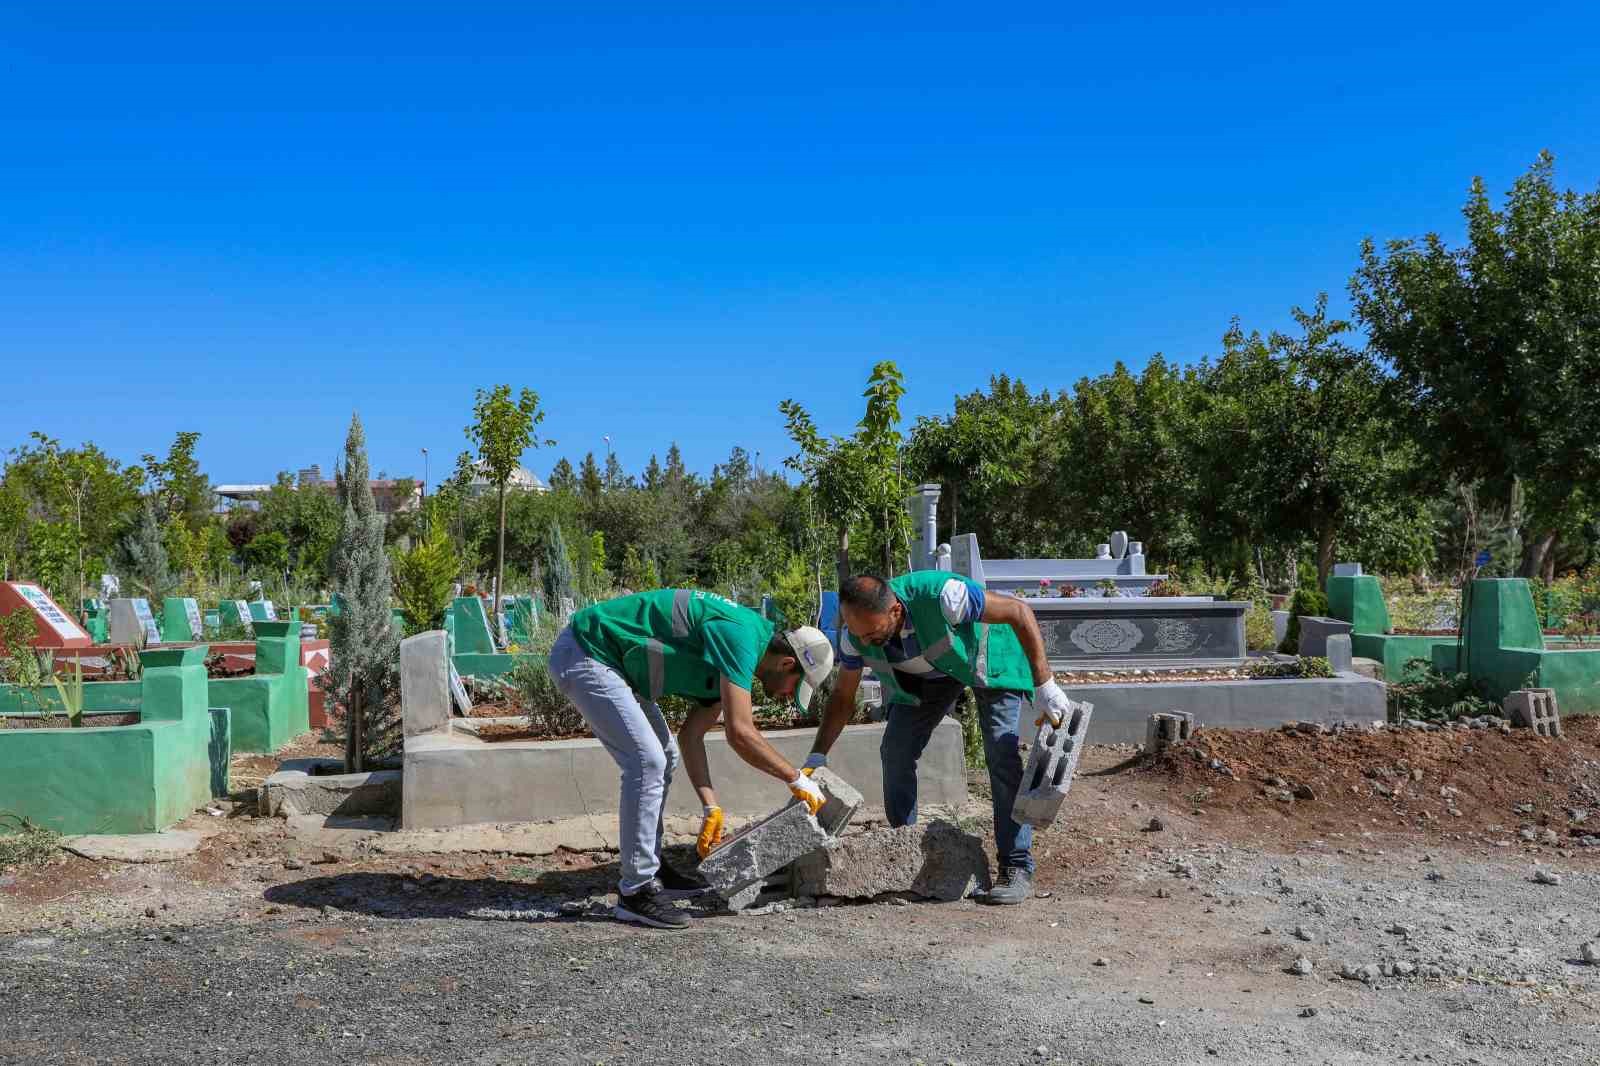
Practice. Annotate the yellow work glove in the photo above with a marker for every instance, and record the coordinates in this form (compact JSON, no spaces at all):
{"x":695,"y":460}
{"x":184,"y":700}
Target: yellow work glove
{"x":806,"y":791}
{"x":710,"y":831}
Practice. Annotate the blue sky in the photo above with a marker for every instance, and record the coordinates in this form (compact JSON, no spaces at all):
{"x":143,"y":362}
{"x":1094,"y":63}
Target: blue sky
{"x":251,"y":220}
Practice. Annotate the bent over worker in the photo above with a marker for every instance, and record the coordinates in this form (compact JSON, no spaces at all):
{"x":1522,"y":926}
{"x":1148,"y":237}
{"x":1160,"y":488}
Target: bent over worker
{"x":617,"y":658}
{"x":928,"y":635}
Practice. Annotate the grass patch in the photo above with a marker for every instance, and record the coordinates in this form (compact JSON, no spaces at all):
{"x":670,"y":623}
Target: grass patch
{"x":24,"y":844}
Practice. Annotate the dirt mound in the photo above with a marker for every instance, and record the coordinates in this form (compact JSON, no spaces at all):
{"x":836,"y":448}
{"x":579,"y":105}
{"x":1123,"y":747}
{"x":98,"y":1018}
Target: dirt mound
{"x":1449,"y":783}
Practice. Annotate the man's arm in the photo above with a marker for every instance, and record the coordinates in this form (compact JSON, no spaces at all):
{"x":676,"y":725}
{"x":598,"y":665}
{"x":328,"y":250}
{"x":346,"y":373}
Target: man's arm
{"x":692,"y":746}
{"x":841,"y":706}
{"x":745,"y":739}
{"x":1008,"y":610}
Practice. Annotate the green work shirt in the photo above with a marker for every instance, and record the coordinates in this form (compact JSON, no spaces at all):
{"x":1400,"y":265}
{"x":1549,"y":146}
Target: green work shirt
{"x":678,"y":642}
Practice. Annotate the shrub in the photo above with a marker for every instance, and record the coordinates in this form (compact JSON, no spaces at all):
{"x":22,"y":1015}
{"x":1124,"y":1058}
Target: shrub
{"x":1306,"y":602}
{"x":1302,"y":666}
{"x":24,"y":844}
{"x":1432,"y":696}
{"x":1165,"y":587}
{"x":535,"y":694}
{"x":423,"y":577}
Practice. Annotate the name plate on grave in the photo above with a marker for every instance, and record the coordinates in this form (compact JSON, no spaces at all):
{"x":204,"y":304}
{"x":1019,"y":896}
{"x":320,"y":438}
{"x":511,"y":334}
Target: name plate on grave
{"x":53,"y":616}
{"x":141,"y":610}
{"x":197,"y":626}
{"x":242,"y":609}
{"x":269,"y":611}
{"x":1132,"y":633}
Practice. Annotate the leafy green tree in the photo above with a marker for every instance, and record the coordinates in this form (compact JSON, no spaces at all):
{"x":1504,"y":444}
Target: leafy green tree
{"x":177,"y":483}
{"x":860,"y":478}
{"x":1495,"y":346}
{"x":590,"y":483}
{"x":423,"y":579}
{"x":502,"y":430}
{"x":81,"y":486}
{"x":1300,"y":442}
{"x":267,"y":556}
{"x":52,"y":557}
{"x":13,"y":527}
{"x":362,"y":674}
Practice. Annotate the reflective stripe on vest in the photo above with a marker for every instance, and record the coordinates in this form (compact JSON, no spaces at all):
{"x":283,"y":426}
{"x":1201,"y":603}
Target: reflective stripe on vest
{"x":980,"y":665}
{"x":680,"y":613}
{"x":655,"y":655}
{"x":938,"y":648}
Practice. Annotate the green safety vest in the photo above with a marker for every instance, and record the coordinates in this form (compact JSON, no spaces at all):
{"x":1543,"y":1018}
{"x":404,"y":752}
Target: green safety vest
{"x":974,"y":653}
{"x":656,"y":641}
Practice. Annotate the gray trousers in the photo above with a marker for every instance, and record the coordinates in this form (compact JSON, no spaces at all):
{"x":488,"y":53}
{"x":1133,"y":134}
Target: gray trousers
{"x":636,"y":734}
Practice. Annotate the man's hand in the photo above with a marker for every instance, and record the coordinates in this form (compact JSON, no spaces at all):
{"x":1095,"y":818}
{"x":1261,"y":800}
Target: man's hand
{"x":815,"y":761}
{"x":710,"y":831}
{"x":1051,"y":703}
{"x":806,"y":791}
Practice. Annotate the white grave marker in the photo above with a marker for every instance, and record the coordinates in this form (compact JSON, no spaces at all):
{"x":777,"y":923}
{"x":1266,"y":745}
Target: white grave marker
{"x":54,"y":617}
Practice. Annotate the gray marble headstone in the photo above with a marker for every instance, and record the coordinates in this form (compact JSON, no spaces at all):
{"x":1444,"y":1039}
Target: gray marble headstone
{"x":965,"y":557}
{"x":1346,"y":569}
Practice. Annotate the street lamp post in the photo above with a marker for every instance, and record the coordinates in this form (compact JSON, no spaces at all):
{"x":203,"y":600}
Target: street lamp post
{"x":424,"y":473}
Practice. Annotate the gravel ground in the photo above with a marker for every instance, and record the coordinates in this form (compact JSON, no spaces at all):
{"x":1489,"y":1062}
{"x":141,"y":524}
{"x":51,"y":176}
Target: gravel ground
{"x":1160,"y":947}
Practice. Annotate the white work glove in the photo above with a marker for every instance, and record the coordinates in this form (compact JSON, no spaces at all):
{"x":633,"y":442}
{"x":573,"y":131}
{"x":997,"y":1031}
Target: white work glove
{"x":815,"y":761}
{"x":806,"y":791}
{"x":1051,"y":703}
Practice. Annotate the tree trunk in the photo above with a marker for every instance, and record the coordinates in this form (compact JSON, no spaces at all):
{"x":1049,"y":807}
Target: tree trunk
{"x":1549,"y":573}
{"x":888,"y":546}
{"x":499,"y":567}
{"x":842,"y":556}
{"x":1538,"y":550}
{"x":355,"y":741}
{"x":1325,"y":554}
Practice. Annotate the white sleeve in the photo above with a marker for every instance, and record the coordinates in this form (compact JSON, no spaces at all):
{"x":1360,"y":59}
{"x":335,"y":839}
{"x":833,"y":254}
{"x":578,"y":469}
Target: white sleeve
{"x":955,"y":601}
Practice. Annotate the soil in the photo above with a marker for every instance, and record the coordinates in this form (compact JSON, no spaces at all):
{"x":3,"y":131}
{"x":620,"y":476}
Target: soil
{"x":60,"y":721}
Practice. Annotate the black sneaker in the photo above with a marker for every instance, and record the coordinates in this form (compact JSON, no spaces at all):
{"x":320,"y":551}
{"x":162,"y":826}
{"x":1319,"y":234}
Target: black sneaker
{"x":648,"y":906}
{"x":675,"y":885}
{"x":1014,"y":886}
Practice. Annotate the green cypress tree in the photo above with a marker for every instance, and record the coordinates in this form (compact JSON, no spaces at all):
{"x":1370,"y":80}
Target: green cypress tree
{"x":558,"y":579}
{"x":364,"y":659}
{"x":145,"y":556}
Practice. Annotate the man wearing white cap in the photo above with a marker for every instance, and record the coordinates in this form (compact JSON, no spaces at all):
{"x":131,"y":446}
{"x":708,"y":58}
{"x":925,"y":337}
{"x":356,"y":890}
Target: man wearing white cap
{"x":617,"y":658}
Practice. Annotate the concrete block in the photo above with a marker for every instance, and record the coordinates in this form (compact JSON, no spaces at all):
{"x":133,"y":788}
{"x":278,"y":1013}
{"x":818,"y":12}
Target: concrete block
{"x":843,"y":801}
{"x":1315,"y":631}
{"x":1535,"y":709}
{"x":294,"y":791}
{"x":935,"y":860}
{"x":1371,"y":668}
{"x":1340,"y":656}
{"x":762,"y":848}
{"x":1280,"y":626}
{"x":1051,"y":762}
{"x":425,"y":682}
{"x":1173,"y":727}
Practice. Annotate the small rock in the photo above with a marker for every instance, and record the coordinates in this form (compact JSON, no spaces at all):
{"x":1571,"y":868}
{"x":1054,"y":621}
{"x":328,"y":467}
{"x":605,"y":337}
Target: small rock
{"x":1163,"y":893}
{"x":1545,"y":877}
{"x":1102,"y":961}
{"x":1400,"y":930}
{"x":1041,"y":1052}
{"x":1146,"y":999}
{"x":1591,"y":952}
{"x":1155,"y":825}
{"x":293,"y":864}
{"x":149,"y":912}
{"x":1301,"y":967}
{"x":1528,"y":834}
{"x":1302,"y":933}
{"x":1308,"y":1012}
{"x":1404,"y":969}
{"x":1304,"y":792}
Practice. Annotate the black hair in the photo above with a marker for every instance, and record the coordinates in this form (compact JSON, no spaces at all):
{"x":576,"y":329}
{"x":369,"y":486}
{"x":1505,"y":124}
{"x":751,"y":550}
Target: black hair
{"x":866,"y":592}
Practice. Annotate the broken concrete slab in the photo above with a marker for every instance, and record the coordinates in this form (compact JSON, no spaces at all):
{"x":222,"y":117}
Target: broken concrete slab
{"x":934,"y":860}
{"x":168,"y":846}
{"x":843,"y":801}
{"x":762,"y":848}
{"x":1051,"y":763}
{"x":294,"y":791}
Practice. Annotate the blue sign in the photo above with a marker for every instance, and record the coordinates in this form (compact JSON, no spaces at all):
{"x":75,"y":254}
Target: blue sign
{"x":1483,"y":558}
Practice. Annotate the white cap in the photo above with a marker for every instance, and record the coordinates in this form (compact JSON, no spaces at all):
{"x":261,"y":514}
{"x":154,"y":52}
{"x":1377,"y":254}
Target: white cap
{"x":815,"y":653}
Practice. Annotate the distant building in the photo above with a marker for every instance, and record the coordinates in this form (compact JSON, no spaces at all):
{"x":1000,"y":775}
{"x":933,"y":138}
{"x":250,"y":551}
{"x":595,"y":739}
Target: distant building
{"x":385,"y":492}
{"x":521,"y":478}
